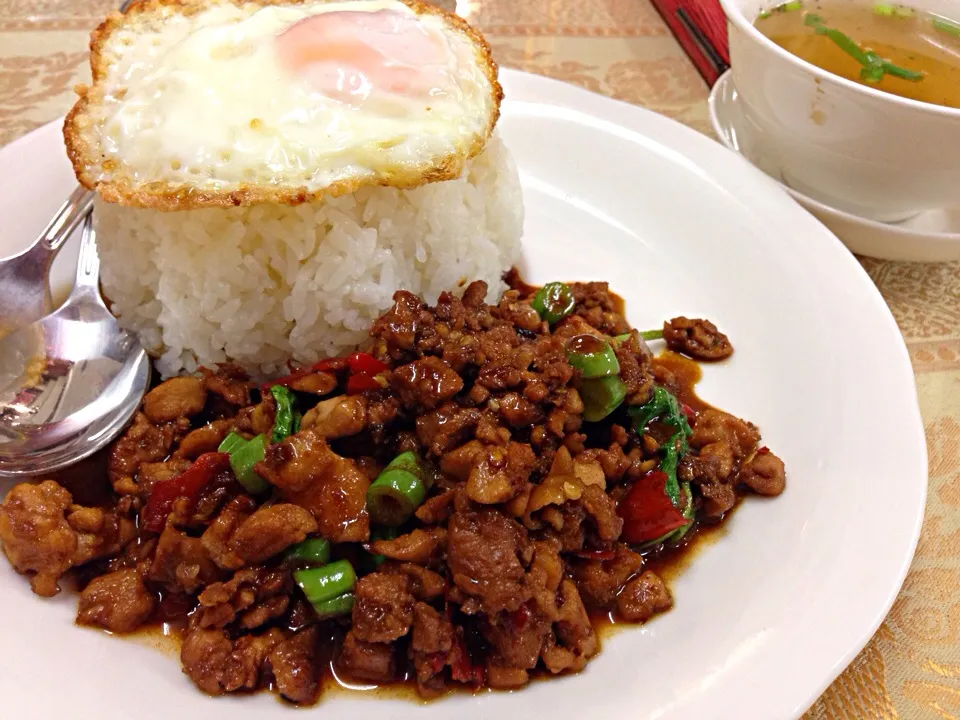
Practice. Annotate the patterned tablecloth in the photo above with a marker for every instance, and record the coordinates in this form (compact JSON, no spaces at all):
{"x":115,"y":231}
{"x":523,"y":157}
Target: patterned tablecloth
{"x":911,"y":668}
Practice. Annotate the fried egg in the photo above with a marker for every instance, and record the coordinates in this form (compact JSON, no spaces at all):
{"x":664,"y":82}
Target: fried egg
{"x":201,"y":104}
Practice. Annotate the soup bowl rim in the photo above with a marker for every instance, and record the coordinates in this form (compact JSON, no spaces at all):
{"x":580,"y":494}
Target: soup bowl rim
{"x":735,"y":14}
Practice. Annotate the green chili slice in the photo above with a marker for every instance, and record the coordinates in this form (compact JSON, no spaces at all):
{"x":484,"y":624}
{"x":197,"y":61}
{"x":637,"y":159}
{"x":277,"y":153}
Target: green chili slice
{"x":592,"y":356}
{"x":283,"y":425}
{"x":341,"y":605}
{"x":244,"y":454}
{"x":398,"y":491}
{"x":313,"y":551}
{"x":652,"y":334}
{"x":553,"y":302}
{"x":321,"y":584}
{"x":601,"y":396}
{"x":231,"y":442}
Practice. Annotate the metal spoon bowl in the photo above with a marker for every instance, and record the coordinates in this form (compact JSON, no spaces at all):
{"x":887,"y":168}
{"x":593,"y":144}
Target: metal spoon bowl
{"x":69,"y":382}
{"x":24,"y":286}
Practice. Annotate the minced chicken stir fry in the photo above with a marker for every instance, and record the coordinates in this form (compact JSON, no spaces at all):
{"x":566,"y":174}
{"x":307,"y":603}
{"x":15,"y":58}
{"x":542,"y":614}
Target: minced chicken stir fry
{"x":450,"y":506}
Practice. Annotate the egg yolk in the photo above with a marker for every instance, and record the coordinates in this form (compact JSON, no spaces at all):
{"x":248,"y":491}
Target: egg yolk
{"x":349,"y":55}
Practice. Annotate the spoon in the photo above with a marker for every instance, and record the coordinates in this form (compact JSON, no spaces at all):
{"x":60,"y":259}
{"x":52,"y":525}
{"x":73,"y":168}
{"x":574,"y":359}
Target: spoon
{"x":69,"y":382}
{"x":24,"y":286}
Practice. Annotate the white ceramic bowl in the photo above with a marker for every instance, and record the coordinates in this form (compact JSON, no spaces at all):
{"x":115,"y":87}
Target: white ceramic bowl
{"x":858,"y":149}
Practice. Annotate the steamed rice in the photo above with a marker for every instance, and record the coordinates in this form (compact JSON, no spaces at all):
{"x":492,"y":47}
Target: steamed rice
{"x":264,"y":284}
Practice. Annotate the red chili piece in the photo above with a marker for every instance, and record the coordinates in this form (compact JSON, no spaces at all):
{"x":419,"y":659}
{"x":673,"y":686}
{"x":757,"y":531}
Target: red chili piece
{"x":361,"y":383}
{"x":689,"y":412}
{"x":361,"y":363}
{"x":647,"y":511}
{"x":763,"y":451}
{"x":520,"y":617}
{"x":462,"y":668}
{"x":187,"y":484}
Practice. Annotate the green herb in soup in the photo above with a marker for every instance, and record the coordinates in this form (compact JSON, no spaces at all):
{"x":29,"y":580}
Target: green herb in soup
{"x":893,"y":48}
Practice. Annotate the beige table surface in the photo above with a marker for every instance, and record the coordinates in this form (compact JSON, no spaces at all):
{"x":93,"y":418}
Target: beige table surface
{"x":911,"y":668}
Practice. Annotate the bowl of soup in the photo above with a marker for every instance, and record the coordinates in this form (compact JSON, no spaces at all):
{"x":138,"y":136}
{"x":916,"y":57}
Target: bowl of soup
{"x":858,"y":102}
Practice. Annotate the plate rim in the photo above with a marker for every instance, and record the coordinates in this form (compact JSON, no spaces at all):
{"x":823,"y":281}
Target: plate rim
{"x":529,"y":88}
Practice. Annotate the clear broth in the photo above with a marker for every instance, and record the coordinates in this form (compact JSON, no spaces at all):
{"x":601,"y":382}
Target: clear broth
{"x":911,"y":39}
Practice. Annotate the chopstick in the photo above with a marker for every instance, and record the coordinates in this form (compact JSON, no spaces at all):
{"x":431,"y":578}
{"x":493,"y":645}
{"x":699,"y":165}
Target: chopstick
{"x":710,"y":53}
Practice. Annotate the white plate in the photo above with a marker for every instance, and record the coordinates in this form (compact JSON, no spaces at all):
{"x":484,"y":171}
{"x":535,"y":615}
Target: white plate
{"x":765,"y":618}
{"x":931,"y":236}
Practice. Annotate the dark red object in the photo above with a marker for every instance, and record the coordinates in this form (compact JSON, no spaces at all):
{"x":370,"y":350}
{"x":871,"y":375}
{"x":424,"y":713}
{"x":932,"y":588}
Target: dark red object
{"x":365,"y":364}
{"x":647,"y":511}
{"x":520,"y":617}
{"x":700,"y":27}
{"x":187,"y":484}
{"x":763,"y":451}
{"x":462,"y":668}
{"x":361,"y":383}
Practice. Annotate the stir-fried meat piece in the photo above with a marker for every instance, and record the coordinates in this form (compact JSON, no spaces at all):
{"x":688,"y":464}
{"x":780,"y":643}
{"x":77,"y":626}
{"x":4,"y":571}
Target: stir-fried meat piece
{"x":181,"y":562}
{"x":294,"y":666}
{"x":601,"y":508}
{"x":217,"y":664}
{"x":230,"y":383}
{"x":337,"y":417}
{"x":498,"y":474}
{"x":517,"y":638}
{"x":175,"y":398}
{"x":424,"y":584}
{"x":36,"y":536}
{"x":143,"y":442}
{"x":764,"y":474}
{"x":317,"y":383}
{"x":204,"y":439}
{"x":436,"y":509}
{"x":256,"y":419}
{"x":443,"y":429}
{"x":425,"y":383}
{"x":599,"y":581}
{"x":699,"y":339}
{"x":576,"y":640}
{"x":486,"y":553}
{"x":44,"y":535}
{"x":402,"y":325}
{"x":251,"y":598}
{"x":419,"y":546}
{"x":244,"y":667}
{"x":216,"y":538}
{"x":383,"y":607}
{"x":713,"y":426}
{"x":430,"y":646}
{"x":270,"y":530}
{"x":596,"y":305}
{"x":460,"y":462}
{"x":331,"y":487}
{"x":153,"y":472}
{"x":643,"y":597}
{"x":204,"y":653}
{"x":724,"y":441}
{"x":118,"y":601}
{"x":371,"y":662}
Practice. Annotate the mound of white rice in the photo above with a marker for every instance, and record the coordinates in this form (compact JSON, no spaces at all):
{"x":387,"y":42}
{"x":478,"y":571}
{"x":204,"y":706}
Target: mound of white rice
{"x":265,"y":284}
